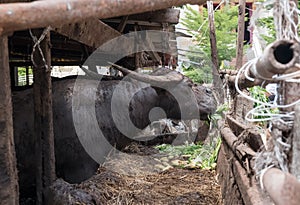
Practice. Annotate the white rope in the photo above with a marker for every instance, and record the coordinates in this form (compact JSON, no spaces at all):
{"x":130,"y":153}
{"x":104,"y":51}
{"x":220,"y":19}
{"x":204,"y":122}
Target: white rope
{"x":253,"y":99}
{"x":37,"y":44}
{"x":286,"y":27}
{"x":284,"y":12}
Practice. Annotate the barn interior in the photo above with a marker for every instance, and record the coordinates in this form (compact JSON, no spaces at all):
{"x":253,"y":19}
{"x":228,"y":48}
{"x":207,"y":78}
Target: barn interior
{"x":72,"y":44}
{"x":37,"y":35}
{"x":37,"y":48}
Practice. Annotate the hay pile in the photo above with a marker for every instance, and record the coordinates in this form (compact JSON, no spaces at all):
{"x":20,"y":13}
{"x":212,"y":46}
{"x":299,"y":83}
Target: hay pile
{"x":174,"y":186}
{"x":125,"y":179}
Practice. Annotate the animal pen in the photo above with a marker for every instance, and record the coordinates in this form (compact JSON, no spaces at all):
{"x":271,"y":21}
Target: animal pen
{"x":45,"y":33}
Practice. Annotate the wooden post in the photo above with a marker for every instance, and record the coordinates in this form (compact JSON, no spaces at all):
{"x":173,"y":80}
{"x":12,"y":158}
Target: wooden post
{"x":241,"y":30}
{"x":295,"y":164}
{"x":291,"y":94}
{"x":43,"y":121}
{"x":213,"y":40}
{"x":8,"y":171}
{"x":27,"y":75}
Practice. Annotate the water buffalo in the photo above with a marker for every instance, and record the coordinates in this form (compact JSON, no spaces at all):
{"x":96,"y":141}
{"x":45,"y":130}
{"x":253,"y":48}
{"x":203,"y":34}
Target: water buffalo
{"x":170,"y":92}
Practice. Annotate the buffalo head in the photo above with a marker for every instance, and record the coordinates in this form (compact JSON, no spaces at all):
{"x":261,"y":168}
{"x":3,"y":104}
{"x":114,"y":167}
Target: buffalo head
{"x":179,"y":97}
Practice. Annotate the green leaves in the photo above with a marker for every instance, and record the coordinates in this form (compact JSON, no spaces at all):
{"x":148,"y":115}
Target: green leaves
{"x":268,"y":22}
{"x":226,"y":24}
{"x":197,"y":155}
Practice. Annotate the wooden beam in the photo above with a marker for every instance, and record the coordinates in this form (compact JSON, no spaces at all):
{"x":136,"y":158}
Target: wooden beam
{"x":241,"y":31}
{"x":134,"y":22}
{"x":8,"y":170}
{"x":38,"y":14}
{"x":91,"y":32}
{"x":161,"y":16}
{"x":43,"y":121}
{"x":122,"y":24}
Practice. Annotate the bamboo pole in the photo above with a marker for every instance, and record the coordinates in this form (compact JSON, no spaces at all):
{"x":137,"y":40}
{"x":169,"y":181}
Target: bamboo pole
{"x":38,"y":14}
{"x":278,"y":57}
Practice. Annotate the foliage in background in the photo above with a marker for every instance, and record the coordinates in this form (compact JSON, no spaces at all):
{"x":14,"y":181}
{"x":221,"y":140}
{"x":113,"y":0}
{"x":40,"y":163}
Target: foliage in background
{"x":261,"y":94}
{"x":199,"y":67}
{"x":198,"y":155}
{"x":22,"y":71}
{"x":258,"y":93}
{"x":268,"y":23}
{"x":218,"y":115}
{"x":225,"y":23}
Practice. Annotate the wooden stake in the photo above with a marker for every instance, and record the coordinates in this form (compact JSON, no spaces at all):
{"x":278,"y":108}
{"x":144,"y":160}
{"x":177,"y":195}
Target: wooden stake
{"x":213,"y":40}
{"x":241,"y":31}
{"x":44,"y":137}
{"x":8,"y":171}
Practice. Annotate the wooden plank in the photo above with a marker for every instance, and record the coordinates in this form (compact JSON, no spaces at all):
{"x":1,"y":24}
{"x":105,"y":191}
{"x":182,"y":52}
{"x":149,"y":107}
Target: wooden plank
{"x":8,"y":170}
{"x":91,"y":32}
{"x":38,"y":14}
{"x":43,"y":121}
{"x":229,"y":189}
{"x":253,"y":139}
{"x":241,"y":31}
{"x":251,"y":192}
{"x":237,"y":187}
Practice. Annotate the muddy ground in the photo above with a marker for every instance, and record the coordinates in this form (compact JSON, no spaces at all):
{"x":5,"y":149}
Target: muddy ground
{"x":144,"y":176}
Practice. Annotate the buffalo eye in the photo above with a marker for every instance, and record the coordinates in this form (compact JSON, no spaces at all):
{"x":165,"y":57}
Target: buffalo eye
{"x":208,"y":91}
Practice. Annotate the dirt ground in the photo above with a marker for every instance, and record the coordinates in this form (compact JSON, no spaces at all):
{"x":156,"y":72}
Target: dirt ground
{"x":125,"y":179}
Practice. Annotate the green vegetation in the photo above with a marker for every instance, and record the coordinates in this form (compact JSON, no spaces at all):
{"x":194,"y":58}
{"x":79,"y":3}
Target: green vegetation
{"x":22,"y":71}
{"x":197,"y":74}
{"x":261,"y":94}
{"x":225,"y":23}
{"x":268,"y":22}
{"x":197,"y":155}
{"x":200,"y":68}
{"x":258,"y":93}
{"x":218,"y":115}
{"x":22,"y":76}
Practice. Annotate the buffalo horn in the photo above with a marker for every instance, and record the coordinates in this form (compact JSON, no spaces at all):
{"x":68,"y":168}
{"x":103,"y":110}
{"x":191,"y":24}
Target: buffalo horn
{"x":169,"y":78}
